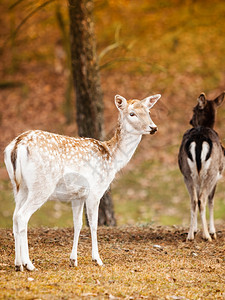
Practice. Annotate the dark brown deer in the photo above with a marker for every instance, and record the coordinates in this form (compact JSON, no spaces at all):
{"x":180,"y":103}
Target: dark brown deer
{"x":201,"y":161}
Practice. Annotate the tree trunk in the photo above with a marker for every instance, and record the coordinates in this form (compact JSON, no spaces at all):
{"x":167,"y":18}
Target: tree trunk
{"x":89,"y":97}
{"x":106,"y":211}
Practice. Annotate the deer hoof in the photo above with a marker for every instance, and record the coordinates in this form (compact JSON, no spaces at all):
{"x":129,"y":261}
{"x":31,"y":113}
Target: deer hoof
{"x":190,"y":237}
{"x":98,"y":261}
{"x":29,"y":266}
{"x":213,"y":236}
{"x":19,"y":268}
{"x":207,"y":238}
{"x":73,"y":263}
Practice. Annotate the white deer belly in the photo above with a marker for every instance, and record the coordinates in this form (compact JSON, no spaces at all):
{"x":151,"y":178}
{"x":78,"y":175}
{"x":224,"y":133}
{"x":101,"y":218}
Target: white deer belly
{"x":78,"y":184}
{"x":71,"y":186}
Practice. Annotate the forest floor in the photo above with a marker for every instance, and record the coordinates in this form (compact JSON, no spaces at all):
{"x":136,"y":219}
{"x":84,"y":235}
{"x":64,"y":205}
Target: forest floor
{"x":140,"y":262}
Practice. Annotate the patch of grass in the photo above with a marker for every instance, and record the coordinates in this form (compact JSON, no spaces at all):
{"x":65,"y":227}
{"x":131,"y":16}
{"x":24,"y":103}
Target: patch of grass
{"x":219,"y":202}
{"x":155,"y":194}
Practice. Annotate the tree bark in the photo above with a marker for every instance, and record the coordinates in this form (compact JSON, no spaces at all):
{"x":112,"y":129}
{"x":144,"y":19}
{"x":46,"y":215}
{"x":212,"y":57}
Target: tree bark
{"x":89,"y":96}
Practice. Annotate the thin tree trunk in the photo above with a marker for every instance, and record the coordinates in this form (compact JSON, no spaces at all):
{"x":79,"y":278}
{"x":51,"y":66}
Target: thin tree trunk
{"x":106,"y":211}
{"x":89,"y":97}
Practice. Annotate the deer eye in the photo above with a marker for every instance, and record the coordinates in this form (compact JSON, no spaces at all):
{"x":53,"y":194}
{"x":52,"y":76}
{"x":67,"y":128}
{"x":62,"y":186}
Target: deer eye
{"x":132,"y":114}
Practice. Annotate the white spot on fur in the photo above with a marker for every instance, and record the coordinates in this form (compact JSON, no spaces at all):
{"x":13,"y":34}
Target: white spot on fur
{"x":192,"y":163}
{"x":205,"y":151}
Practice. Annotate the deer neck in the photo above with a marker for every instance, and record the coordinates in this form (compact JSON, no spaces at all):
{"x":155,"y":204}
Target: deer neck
{"x":122,"y":146}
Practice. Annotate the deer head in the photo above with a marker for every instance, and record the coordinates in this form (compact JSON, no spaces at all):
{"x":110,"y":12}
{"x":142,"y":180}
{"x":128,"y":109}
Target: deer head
{"x":134,"y":114}
{"x":205,"y":111}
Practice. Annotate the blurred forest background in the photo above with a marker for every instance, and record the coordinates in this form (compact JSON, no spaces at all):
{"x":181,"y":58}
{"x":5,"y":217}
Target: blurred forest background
{"x":174,"y":47}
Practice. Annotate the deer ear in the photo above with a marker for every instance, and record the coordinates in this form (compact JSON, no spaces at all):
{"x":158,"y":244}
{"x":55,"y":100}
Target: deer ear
{"x":202,"y":101}
{"x":149,"y":102}
{"x":218,"y":101}
{"x":120,"y":102}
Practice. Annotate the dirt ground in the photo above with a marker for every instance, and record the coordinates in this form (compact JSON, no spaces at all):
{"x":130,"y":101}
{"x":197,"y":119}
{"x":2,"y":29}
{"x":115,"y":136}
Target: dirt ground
{"x":139,"y":263}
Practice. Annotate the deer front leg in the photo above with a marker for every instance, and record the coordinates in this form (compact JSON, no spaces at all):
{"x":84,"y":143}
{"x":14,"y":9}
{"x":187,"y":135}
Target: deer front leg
{"x":92,"y":211}
{"x":77,"y":207}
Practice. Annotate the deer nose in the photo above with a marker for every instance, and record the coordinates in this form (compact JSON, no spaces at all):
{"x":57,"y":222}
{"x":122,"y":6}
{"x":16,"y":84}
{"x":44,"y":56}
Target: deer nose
{"x":153,"y":129}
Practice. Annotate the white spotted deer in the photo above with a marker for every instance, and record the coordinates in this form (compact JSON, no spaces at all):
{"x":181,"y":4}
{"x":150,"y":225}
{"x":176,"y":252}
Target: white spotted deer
{"x":201,"y":161}
{"x":45,"y":166}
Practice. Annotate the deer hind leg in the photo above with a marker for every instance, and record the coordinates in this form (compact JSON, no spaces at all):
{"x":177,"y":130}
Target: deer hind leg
{"x":21,"y":217}
{"x":194,"y":215}
{"x":77,"y":207}
{"x":212,"y":230}
{"x":194,"y":210}
{"x":202,"y":209}
{"x":20,"y":199}
{"x":92,"y":205}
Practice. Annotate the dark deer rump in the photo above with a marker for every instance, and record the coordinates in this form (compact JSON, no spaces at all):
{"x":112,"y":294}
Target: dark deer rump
{"x":198,"y":135}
